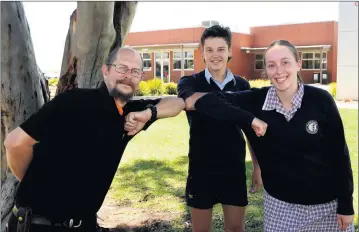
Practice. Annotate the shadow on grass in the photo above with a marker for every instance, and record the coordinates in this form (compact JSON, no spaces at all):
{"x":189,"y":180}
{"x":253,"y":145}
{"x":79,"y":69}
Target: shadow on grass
{"x":145,"y":181}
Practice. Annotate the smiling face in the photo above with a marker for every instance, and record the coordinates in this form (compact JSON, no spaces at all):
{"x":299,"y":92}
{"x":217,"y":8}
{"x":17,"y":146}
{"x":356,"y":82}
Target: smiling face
{"x":216,"y":53}
{"x":123,"y":75}
{"x":282,"y":67}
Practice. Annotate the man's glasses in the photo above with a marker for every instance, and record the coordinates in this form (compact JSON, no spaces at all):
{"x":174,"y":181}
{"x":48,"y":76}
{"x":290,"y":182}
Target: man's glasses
{"x":123,"y":69}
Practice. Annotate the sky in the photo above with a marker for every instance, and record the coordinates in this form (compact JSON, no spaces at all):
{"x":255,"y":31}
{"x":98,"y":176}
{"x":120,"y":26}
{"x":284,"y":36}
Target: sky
{"x":49,"y":26}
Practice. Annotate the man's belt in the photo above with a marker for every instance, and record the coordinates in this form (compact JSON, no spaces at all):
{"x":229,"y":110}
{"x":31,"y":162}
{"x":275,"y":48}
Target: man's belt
{"x":24,"y":216}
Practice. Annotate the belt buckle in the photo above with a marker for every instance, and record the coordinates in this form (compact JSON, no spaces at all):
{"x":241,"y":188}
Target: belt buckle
{"x":70,"y":224}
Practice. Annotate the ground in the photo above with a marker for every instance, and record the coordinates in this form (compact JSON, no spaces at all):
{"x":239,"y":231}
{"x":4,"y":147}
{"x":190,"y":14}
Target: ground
{"x":147,"y":192}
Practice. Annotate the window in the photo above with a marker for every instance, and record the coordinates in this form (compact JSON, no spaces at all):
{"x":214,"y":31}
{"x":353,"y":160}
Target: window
{"x":146,"y":56}
{"x":188,"y":60}
{"x":259,"y":63}
{"x":311,"y":60}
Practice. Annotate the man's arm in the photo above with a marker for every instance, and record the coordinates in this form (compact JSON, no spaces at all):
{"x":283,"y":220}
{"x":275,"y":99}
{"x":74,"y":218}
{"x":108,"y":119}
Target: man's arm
{"x":169,"y":107}
{"x":166,"y":107}
{"x":19,"y":146}
{"x":19,"y":142}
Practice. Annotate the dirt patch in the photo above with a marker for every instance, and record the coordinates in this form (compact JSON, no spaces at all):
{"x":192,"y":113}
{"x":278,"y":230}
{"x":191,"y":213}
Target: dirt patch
{"x":119,"y":218}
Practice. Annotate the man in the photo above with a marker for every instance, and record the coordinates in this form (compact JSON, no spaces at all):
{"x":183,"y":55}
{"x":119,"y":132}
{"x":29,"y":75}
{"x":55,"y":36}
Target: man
{"x":217,"y":149}
{"x":64,"y":184}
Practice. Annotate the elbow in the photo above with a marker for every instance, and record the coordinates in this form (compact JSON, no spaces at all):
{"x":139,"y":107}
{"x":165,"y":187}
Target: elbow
{"x":11,"y":142}
{"x":181,"y":106}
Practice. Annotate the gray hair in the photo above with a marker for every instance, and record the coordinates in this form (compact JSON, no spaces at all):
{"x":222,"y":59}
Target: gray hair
{"x":113,"y":55}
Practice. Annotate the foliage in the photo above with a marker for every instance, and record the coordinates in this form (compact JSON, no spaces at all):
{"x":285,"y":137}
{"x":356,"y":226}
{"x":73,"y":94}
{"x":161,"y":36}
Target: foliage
{"x":333,"y":89}
{"x":258,"y":83}
{"x":156,"y":87}
{"x":143,"y":89}
{"x":53,"y":81}
{"x":170,"y":88}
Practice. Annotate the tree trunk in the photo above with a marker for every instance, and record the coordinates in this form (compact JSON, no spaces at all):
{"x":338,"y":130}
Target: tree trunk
{"x":23,"y":88}
{"x":96,"y":28}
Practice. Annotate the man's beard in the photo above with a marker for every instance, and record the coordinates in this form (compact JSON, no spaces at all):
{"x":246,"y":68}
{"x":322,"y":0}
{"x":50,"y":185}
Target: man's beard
{"x":118,"y":95}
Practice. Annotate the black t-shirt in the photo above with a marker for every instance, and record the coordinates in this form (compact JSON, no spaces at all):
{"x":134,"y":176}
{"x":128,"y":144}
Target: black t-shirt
{"x":299,"y":163}
{"x":81,"y":141}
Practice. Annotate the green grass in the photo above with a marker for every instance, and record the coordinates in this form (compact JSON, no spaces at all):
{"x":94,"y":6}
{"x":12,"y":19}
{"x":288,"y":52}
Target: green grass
{"x":153,"y":172}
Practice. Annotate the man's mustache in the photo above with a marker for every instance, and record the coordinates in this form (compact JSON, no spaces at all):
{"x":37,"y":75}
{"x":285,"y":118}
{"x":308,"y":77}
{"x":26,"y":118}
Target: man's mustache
{"x":125,"y":82}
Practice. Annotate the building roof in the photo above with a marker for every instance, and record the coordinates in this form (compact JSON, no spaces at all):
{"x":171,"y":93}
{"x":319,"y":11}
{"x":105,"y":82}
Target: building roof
{"x":299,"y":48}
{"x":154,"y":47}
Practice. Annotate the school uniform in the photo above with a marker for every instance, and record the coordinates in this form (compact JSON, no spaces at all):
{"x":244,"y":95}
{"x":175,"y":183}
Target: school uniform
{"x":216,"y":149}
{"x":303,"y":156}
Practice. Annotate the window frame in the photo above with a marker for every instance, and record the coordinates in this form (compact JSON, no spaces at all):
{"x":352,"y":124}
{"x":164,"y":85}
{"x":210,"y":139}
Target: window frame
{"x":314,"y":59}
{"x":255,"y":61}
{"x":147,"y":59}
{"x":180,"y":59}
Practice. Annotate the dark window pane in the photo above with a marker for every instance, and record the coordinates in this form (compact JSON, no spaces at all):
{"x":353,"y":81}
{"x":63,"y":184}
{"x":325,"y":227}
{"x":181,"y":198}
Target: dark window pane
{"x":176,"y":64}
{"x":259,"y":65}
{"x":307,"y":55}
{"x":259,"y":57}
{"x":307,"y":64}
{"x":146,"y":64}
{"x":188,"y":64}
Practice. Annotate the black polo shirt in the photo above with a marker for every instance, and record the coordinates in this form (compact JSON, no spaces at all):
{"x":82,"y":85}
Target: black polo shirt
{"x":81,"y":141}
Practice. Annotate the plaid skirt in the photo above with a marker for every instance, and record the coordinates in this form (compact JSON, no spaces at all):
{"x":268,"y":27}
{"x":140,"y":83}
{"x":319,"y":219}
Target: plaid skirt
{"x":280,"y":216}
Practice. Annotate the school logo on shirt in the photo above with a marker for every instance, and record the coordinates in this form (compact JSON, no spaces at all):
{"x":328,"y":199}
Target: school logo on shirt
{"x":312,"y":127}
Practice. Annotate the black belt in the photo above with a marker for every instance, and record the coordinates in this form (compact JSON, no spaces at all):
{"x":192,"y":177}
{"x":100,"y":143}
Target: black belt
{"x":20,"y":214}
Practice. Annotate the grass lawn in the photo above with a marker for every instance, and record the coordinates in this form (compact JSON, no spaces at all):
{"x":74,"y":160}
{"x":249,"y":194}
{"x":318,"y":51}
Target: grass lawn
{"x":153,"y":172}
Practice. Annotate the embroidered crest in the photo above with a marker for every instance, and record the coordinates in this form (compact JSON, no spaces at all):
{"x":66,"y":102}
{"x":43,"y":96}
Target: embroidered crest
{"x":312,"y":127}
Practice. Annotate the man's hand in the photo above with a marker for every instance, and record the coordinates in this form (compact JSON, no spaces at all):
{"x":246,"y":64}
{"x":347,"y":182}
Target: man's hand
{"x":259,"y":127}
{"x":135,"y":121}
{"x":191,"y":101}
{"x":344,"y":221}
{"x":256,"y":180}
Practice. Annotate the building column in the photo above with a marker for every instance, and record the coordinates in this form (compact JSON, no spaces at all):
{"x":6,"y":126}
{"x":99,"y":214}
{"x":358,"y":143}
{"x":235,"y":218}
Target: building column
{"x":182,"y":61}
{"x":321,"y":65}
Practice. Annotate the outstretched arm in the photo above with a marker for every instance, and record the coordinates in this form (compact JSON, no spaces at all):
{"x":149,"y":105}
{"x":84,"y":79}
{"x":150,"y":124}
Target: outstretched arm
{"x":166,"y":107}
{"x":225,"y":106}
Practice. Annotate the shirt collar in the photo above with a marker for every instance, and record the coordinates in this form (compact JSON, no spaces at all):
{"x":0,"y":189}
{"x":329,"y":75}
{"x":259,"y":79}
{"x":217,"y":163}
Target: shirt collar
{"x":229,"y":76}
{"x":272,"y":101}
{"x":108,"y":101}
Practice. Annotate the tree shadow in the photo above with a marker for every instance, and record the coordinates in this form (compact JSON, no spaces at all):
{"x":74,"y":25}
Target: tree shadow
{"x":152,"y":178}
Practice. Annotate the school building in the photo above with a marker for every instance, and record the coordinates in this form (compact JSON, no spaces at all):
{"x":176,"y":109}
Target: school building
{"x":170,"y":54}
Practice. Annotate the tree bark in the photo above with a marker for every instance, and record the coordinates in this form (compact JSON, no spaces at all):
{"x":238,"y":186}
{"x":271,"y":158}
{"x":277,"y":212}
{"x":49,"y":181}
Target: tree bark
{"x":23,"y":88}
{"x":96,"y":28}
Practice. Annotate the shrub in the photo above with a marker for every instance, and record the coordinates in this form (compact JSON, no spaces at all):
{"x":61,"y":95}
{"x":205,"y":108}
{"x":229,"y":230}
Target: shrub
{"x":170,"y":88}
{"x":333,"y":89}
{"x":155,"y":87}
{"x":53,"y":81}
{"x":143,"y":89}
{"x":258,"y":83}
